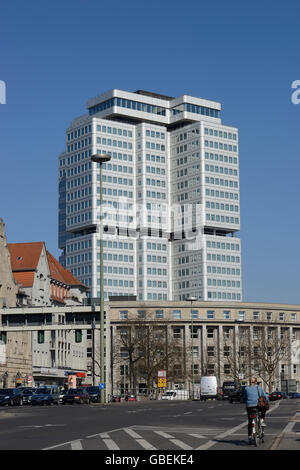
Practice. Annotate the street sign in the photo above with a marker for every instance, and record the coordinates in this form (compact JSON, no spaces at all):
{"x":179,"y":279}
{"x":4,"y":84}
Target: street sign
{"x":162,"y":382}
{"x":101,"y":386}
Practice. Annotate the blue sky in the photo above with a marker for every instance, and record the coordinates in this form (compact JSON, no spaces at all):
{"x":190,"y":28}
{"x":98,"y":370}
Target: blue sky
{"x":56,"y":55}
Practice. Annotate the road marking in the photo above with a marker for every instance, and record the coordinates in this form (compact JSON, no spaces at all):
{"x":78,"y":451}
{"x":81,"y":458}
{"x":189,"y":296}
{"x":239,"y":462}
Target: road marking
{"x":76,"y":445}
{"x":199,"y":436}
{"x":164,"y":434}
{"x":287,"y":429}
{"x":177,"y":442}
{"x":110,"y":444}
{"x":142,"y":442}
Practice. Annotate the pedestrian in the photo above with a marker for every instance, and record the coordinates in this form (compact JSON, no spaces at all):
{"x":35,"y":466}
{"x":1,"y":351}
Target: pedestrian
{"x":252,"y":394}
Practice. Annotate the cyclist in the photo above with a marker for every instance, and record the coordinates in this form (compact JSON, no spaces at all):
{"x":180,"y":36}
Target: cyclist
{"x":251,"y":396}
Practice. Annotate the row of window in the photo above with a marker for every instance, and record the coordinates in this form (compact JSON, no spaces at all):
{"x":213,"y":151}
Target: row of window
{"x":220,"y":146}
{"x":118,"y":192}
{"x":155,"y":134}
{"x":221,"y":170}
{"x":222,"y":207}
{"x":227,"y":271}
{"x":221,"y":182}
{"x":221,"y":134}
{"x":221,"y":194}
{"x":79,"y":132}
{"x":114,"y":130}
{"x":221,"y":158}
{"x":78,"y":145}
{"x":114,"y":143}
{"x":223,"y":283}
{"x":223,"y":245}
{"x":222,"y":219}
{"x":79,"y":219}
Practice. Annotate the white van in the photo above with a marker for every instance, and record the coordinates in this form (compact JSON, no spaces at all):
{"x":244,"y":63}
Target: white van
{"x":208,"y":387}
{"x":176,"y":395}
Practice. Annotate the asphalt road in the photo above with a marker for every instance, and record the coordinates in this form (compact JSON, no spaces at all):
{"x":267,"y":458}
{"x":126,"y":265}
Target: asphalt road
{"x":148,"y":425}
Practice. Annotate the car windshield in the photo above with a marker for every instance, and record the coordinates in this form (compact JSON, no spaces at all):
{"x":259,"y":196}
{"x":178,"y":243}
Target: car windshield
{"x":28,"y":392}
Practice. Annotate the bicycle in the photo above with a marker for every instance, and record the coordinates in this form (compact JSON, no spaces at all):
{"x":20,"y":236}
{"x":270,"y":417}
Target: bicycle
{"x":257,"y":429}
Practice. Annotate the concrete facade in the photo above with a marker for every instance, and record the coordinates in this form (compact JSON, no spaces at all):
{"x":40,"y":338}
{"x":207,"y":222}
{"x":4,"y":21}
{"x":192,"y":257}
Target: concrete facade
{"x":15,"y":347}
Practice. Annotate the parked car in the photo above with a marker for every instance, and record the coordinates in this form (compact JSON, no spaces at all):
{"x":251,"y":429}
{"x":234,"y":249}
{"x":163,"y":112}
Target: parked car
{"x":46,"y":395}
{"x":276,"y":396}
{"x":11,"y":396}
{"x":94,"y":394}
{"x":237,"y":395}
{"x":116,"y":398}
{"x":294,"y":395}
{"x":229,"y":387}
{"x":76,"y":395}
{"x":131,"y":398}
{"x":27,"y":393}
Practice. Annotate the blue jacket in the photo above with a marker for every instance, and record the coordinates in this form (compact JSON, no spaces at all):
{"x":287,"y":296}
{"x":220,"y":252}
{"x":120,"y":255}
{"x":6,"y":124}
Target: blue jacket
{"x":251,"y":395}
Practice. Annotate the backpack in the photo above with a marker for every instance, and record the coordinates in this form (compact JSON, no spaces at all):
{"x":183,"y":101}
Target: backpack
{"x":262,"y":403}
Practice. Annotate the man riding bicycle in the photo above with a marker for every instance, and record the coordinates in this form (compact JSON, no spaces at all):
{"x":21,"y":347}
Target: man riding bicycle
{"x":251,"y":396}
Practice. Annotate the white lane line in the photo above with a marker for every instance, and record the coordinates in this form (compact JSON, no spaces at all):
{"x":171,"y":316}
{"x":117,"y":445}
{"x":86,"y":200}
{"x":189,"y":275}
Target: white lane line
{"x":142,"y":442}
{"x":110,"y":444}
{"x":181,"y":444}
{"x":171,"y":438}
{"x":76,"y":445}
{"x":199,"y":436}
{"x":164,"y":434}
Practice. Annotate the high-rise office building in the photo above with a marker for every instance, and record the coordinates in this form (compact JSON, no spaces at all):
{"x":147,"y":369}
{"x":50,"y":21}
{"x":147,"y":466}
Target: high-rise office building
{"x":171,"y":198}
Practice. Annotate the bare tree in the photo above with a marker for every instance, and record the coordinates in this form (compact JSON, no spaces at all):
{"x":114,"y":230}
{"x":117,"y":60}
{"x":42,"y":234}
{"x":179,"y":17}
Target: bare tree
{"x":146,"y":347}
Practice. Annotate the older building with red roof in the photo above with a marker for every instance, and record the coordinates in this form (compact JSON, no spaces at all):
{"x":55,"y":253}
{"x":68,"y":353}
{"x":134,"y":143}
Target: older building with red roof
{"x":42,"y":278}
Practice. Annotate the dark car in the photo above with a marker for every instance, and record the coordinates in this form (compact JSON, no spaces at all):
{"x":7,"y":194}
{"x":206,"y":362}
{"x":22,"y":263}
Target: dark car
{"x":27,"y":393}
{"x":46,"y":395}
{"x":94,"y":394}
{"x":229,"y":387}
{"x":76,"y":395}
{"x":294,"y":395}
{"x":276,"y":396}
{"x":11,"y":396}
{"x":237,"y":395}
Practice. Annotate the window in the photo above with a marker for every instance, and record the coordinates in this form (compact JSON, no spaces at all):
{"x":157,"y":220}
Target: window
{"x":226,"y":315}
{"x":226,"y":351}
{"x":159,"y":314}
{"x":141,"y":314}
{"x":293,"y":316}
{"x":123,"y":353}
{"x":195,"y":351}
{"x":227,"y":369}
{"x":41,"y":337}
{"x":210,"y":332}
{"x":194,"y":314}
{"x":211,"y":369}
{"x":177,"y":314}
{"x":241,"y":316}
{"x":269,"y":315}
{"x":226,"y":333}
{"x":3,"y":337}
{"x":255,"y":315}
{"x":210,"y":314}
{"x":210,"y":351}
{"x":78,"y":336}
{"x":281,"y":316}
{"x":123,"y":314}
{"x":177,"y":332}
{"x":194,"y":332}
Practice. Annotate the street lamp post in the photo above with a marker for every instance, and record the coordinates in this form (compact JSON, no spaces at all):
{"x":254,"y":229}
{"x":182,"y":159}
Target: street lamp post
{"x":101,"y":158}
{"x":192,"y":299}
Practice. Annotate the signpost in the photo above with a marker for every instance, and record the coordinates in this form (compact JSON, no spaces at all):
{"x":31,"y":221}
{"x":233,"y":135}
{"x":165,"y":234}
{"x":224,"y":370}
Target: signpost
{"x":162,"y":379}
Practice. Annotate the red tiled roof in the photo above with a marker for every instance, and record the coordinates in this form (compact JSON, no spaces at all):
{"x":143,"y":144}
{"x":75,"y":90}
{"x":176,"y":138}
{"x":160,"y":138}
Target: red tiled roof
{"x":61,"y":274}
{"x":25,"y":256}
{"x":24,"y":278}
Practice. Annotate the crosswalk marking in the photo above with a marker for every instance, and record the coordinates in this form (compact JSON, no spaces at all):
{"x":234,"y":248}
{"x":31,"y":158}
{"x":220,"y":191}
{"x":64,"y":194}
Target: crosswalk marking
{"x":76,"y":445}
{"x":143,"y":443}
{"x":177,"y":442}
